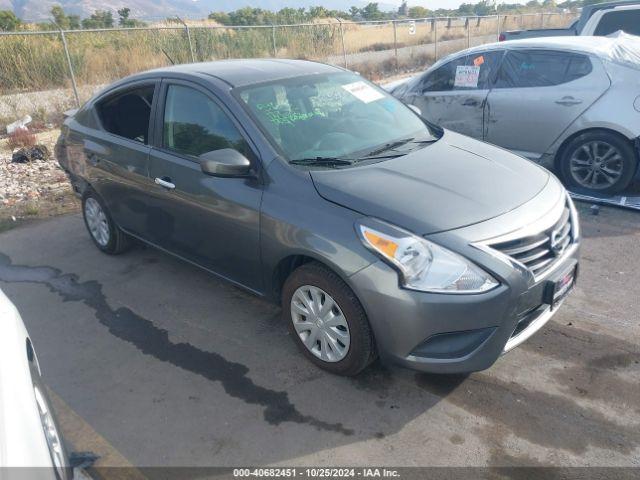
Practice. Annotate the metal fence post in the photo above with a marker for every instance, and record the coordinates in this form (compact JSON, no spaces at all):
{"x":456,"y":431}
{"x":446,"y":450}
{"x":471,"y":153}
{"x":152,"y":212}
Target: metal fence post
{"x":273,"y":40}
{"x":435,"y":39}
{"x":468,"y":25}
{"x":70,"y":65}
{"x":193,"y":57}
{"x":498,"y":25}
{"x":344,"y":50}
{"x":395,"y":41}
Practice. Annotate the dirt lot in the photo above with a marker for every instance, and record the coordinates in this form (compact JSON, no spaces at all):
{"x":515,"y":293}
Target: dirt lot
{"x":156,"y":363}
{"x":33,"y":190}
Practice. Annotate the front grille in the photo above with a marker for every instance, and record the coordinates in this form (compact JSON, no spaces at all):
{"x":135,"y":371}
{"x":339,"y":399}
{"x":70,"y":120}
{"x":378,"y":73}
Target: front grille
{"x":538,"y":252}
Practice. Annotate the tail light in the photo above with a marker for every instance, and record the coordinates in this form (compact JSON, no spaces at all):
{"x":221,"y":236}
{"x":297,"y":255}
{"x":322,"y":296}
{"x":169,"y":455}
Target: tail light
{"x":502,"y":37}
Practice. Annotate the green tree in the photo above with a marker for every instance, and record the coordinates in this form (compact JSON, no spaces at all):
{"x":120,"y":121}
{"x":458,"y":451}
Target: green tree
{"x":372,"y":12}
{"x":220,"y":17}
{"x":74,"y":22}
{"x":419,"y":12}
{"x":8,"y":21}
{"x":319,"y":12}
{"x":99,"y":19}
{"x":124,"y":13}
{"x":60,"y":17}
{"x":354,"y":12}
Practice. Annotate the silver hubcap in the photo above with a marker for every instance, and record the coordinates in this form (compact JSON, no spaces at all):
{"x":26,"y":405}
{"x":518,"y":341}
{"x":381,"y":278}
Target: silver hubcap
{"x":50,"y":432}
{"x":320,"y":323}
{"x":97,"y":222}
{"x":596,"y":165}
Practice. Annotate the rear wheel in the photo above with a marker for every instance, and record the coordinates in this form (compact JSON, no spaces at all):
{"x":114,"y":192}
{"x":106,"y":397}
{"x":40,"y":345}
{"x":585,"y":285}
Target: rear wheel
{"x":327,"y":320}
{"x":103,"y":231}
{"x":598,"y":162}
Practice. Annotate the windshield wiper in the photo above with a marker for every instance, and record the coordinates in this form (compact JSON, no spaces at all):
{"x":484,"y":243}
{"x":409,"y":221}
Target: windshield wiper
{"x":322,"y":161}
{"x":390,"y":146}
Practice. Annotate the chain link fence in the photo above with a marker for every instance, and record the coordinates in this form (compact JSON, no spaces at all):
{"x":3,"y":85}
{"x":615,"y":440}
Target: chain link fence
{"x":43,"y":72}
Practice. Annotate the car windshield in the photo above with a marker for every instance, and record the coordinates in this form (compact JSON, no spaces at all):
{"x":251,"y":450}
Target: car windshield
{"x":335,"y":116}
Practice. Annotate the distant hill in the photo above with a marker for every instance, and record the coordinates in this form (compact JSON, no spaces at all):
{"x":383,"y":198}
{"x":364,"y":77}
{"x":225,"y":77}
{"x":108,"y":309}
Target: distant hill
{"x":38,"y":10}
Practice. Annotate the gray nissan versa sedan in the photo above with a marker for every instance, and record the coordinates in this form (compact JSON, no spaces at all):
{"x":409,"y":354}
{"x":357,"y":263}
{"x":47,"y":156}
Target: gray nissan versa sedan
{"x":379,"y":233}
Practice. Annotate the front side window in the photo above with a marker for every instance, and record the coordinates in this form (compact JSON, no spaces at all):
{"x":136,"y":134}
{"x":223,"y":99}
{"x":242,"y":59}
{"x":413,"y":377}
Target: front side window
{"x":626,"y":20}
{"x":194,"y":124}
{"x":469,"y":72}
{"x":335,"y":115}
{"x":127,"y":114}
{"x":541,"y":68}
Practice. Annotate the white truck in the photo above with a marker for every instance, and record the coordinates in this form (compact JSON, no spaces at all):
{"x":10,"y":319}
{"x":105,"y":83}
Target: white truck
{"x":600,"y":19}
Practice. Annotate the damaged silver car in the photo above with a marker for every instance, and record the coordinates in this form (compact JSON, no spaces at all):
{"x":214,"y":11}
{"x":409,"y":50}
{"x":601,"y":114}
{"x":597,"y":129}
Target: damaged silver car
{"x":571,"y":104}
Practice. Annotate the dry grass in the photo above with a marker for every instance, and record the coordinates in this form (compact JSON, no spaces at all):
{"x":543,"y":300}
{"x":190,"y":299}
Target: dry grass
{"x":37,"y":62}
{"x":20,"y":138}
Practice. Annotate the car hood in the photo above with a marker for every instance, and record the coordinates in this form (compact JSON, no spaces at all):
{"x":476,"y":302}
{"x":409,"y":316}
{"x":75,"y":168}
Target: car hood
{"x":452,"y":183}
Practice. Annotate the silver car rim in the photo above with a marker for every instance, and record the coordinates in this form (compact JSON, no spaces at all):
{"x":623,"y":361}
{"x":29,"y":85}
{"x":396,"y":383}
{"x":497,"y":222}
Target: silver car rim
{"x":320,"y":323}
{"x":97,"y":221}
{"x":50,"y":432}
{"x":596,"y":165}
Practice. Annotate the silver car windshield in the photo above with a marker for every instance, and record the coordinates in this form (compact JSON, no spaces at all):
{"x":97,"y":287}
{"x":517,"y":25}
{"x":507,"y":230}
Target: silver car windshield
{"x":333,"y":116}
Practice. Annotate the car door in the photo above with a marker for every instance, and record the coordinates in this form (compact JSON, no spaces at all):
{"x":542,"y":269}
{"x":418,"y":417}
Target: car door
{"x":537,"y":95}
{"x":117,"y":151}
{"x":212,"y":221}
{"x":453,"y":95}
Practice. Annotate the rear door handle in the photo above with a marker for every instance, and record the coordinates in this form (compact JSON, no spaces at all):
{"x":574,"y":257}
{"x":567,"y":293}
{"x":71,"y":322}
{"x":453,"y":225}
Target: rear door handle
{"x":568,"y":101}
{"x":165,"y":182}
{"x":470,"y":102}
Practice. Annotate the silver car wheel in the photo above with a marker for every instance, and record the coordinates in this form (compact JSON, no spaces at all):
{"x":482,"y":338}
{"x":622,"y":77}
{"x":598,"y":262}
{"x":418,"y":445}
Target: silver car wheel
{"x":54,"y":442}
{"x":596,"y":165}
{"x":97,"y":221}
{"x":320,"y":323}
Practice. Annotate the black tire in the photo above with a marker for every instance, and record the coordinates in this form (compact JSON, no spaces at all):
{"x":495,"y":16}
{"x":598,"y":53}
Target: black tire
{"x":628,"y":163}
{"x":117,"y":241}
{"x":361,"y":351}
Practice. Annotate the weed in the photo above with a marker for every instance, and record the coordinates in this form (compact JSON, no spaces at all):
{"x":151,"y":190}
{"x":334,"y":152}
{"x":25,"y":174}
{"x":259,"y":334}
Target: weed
{"x":20,"y":138}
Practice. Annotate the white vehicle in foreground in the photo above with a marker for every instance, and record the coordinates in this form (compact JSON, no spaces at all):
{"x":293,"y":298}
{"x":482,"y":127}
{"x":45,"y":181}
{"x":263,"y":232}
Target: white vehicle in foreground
{"x":30,"y":442}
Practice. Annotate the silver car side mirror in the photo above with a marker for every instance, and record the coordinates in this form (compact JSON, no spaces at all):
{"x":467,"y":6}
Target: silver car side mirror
{"x":225,"y":162}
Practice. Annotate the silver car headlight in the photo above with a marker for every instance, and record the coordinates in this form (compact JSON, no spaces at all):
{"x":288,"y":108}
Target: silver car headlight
{"x":423,"y":265}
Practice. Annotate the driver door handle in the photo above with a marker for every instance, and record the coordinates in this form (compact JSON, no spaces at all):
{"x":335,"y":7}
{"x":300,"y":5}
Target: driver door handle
{"x":165,"y":182}
{"x":568,"y":101}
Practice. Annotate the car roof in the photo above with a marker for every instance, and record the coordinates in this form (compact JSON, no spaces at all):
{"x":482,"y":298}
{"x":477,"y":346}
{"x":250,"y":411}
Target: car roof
{"x":242,"y":72}
{"x":592,"y":45}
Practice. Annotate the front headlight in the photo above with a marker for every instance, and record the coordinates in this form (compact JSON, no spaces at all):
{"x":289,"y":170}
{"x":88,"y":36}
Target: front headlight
{"x":422,"y":264}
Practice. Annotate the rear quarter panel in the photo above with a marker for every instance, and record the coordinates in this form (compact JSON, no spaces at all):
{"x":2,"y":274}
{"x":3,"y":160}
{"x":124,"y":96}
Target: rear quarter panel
{"x":614,"y":110}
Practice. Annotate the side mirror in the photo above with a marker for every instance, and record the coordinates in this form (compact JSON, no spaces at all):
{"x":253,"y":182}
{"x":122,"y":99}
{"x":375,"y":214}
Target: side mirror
{"x":415,"y":109}
{"x":226,"y":162}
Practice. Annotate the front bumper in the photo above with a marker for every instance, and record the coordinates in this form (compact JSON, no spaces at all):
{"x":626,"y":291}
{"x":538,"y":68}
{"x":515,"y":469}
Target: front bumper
{"x":443,"y":333}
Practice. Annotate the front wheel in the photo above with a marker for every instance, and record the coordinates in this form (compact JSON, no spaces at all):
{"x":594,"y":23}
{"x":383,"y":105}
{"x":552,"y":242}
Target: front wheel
{"x":598,"y":162}
{"x":327,"y":320}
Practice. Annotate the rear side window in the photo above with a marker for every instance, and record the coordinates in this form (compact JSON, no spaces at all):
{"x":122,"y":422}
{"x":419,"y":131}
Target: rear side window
{"x":470,"y":72}
{"x":626,"y":20}
{"x":127,"y":114}
{"x":194,"y":124}
{"x":541,"y":68}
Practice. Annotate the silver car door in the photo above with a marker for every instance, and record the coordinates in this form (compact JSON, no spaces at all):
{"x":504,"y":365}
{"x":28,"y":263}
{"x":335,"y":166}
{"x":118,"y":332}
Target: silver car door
{"x":453,"y":95}
{"x":537,"y":95}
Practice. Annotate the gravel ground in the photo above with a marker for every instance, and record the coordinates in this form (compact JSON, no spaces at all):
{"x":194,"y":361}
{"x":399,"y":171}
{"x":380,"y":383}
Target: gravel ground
{"x":33,"y":190}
